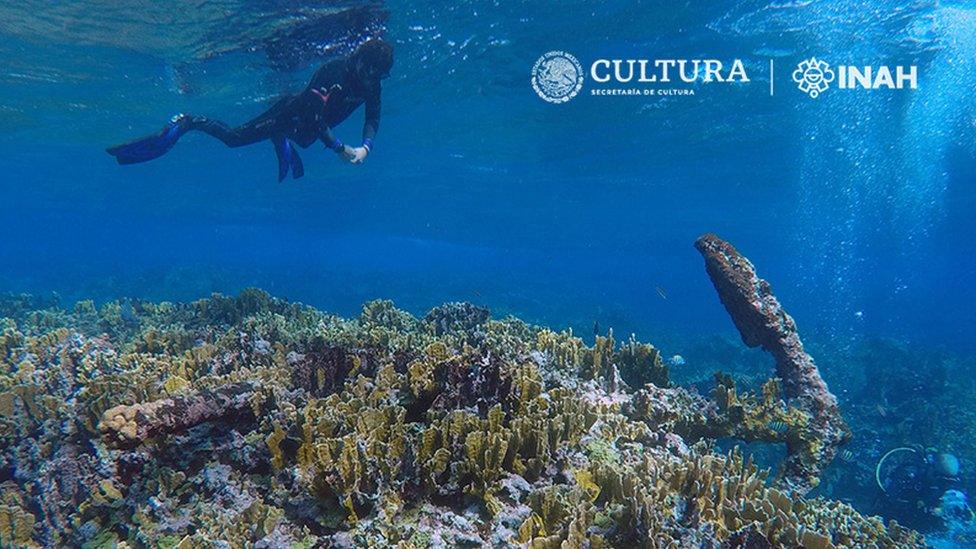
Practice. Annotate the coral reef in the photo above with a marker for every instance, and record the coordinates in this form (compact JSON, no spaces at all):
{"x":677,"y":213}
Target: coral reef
{"x":762,"y":321}
{"x":130,"y":425}
{"x":901,"y":395}
{"x":253,"y":422}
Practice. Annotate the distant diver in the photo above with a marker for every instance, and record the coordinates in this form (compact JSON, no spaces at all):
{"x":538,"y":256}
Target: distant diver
{"x":336,"y":90}
{"x":923,"y":488}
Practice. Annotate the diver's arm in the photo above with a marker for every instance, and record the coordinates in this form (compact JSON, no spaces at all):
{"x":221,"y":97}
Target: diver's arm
{"x":329,"y":139}
{"x":371,"y":124}
{"x":333,"y":142}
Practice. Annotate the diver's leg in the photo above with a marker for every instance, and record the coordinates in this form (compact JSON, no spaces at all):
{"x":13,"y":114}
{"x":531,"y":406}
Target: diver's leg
{"x":158,"y":144}
{"x":259,"y":129}
{"x":245,"y":134}
{"x":264,"y":126}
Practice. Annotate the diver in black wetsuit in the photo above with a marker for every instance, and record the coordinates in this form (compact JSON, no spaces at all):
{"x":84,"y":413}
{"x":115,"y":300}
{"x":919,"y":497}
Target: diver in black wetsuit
{"x":924,"y":490}
{"x":336,"y":90}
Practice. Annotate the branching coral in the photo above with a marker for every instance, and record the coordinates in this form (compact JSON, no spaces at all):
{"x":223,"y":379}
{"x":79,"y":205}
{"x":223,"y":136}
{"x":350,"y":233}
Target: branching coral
{"x":16,"y":523}
{"x":250,"y":421}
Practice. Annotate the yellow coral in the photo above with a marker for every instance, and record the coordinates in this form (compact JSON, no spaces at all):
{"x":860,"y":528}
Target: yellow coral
{"x":16,"y":527}
{"x":584,"y":479}
{"x":274,"y":446}
{"x":374,"y":443}
{"x":175,"y":384}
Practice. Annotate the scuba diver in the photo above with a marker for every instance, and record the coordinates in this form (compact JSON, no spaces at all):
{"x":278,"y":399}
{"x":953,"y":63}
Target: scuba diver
{"x":923,"y":488}
{"x":336,"y":90}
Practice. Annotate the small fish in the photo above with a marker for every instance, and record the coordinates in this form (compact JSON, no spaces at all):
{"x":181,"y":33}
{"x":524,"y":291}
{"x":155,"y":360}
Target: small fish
{"x":778,"y":426}
{"x":846,"y":455}
{"x":128,"y":313}
{"x":676,"y":360}
{"x":661,"y":292}
{"x":881,"y":410}
{"x":596,"y":327}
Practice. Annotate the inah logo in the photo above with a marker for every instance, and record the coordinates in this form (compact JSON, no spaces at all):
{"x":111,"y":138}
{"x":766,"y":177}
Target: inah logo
{"x":557,"y":77}
{"x":813,"y":76}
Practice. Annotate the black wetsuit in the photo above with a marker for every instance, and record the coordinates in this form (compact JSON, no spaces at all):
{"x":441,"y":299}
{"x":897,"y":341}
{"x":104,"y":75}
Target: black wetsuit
{"x":307,"y":116}
{"x":335,"y":91}
{"x":914,"y":489}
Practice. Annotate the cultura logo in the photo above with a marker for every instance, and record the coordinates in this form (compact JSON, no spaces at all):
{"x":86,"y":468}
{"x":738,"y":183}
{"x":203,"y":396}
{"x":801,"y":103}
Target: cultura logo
{"x":557,"y":77}
{"x":813,"y":76}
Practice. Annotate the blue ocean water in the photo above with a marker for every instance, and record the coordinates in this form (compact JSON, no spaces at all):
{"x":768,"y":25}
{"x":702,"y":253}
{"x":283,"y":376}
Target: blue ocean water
{"x":478,"y":190}
{"x":857,"y":207}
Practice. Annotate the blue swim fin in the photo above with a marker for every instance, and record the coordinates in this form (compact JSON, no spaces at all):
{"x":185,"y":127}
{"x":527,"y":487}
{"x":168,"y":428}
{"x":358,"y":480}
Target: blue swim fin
{"x":297,"y":168}
{"x":288,"y":159}
{"x":281,"y":152}
{"x":153,"y":146}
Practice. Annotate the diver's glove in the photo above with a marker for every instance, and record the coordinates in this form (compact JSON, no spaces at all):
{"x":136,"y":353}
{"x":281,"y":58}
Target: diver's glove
{"x":357,"y":155}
